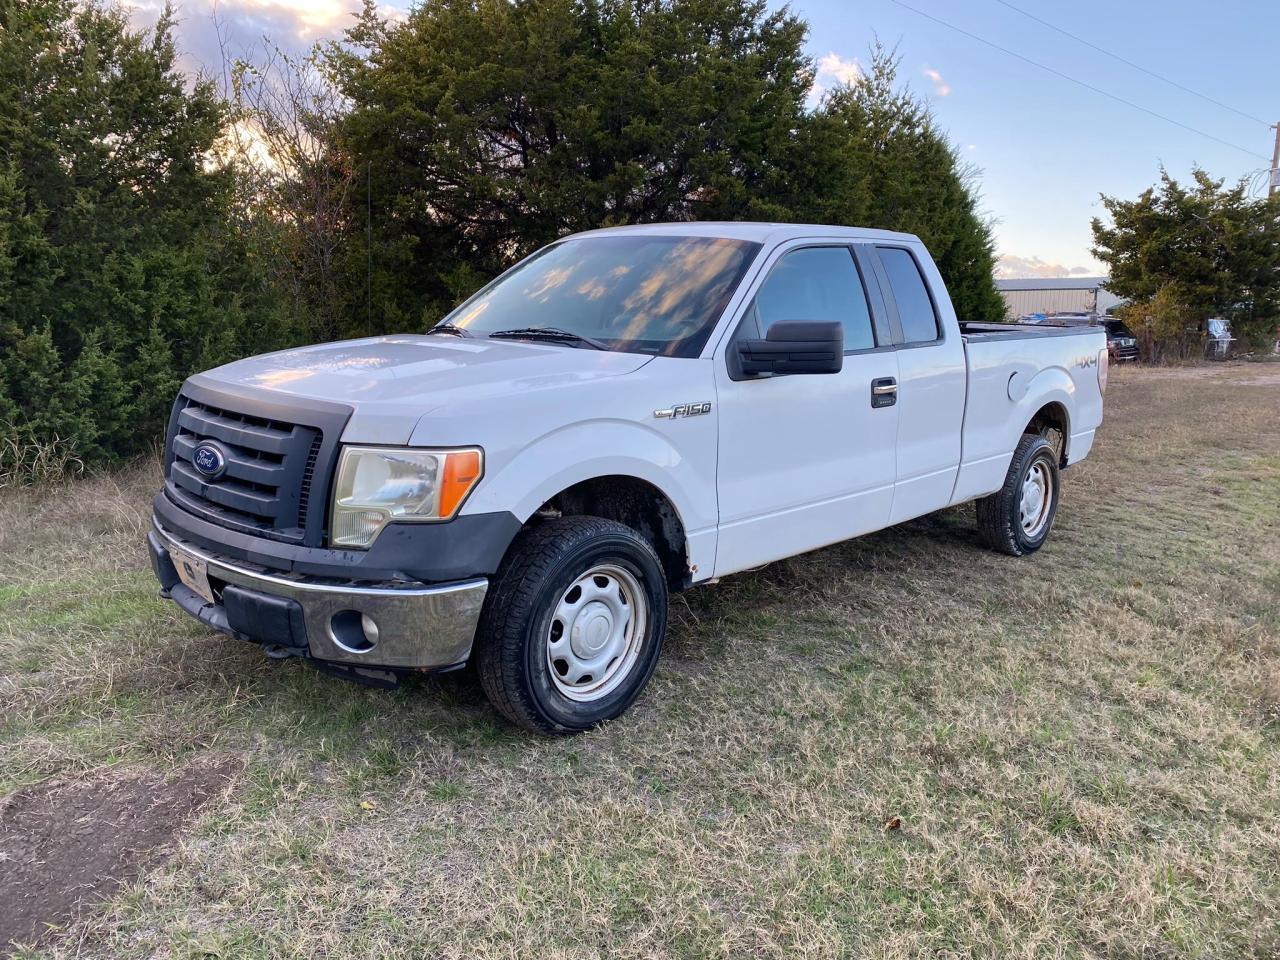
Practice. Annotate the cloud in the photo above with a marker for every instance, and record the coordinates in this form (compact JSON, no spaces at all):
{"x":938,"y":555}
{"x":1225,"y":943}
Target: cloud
{"x":1010,"y":266}
{"x":833,"y":70}
{"x":940,"y":86}
{"x":314,"y":18}
{"x":844,"y":71}
{"x":247,"y":26}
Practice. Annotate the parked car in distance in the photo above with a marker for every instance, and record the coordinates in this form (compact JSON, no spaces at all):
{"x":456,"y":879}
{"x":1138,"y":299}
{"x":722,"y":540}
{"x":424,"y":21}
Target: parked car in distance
{"x":623,"y":414}
{"x":1122,"y":345}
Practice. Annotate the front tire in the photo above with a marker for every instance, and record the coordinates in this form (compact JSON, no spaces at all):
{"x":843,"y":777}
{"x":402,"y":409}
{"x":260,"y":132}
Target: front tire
{"x":1018,"y":517}
{"x":572,"y":626}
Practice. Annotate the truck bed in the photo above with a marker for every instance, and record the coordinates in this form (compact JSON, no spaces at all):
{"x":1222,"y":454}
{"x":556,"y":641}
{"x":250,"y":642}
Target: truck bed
{"x":978,"y":331}
{"x":1014,"y":369}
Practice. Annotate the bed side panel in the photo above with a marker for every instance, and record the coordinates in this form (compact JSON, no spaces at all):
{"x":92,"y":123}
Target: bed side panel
{"x":1009,"y":381}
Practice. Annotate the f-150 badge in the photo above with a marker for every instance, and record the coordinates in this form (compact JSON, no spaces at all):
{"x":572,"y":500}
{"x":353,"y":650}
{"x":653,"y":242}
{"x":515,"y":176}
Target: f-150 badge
{"x":683,"y":410}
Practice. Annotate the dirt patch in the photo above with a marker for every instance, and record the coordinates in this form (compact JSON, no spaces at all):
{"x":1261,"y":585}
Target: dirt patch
{"x":71,"y":845}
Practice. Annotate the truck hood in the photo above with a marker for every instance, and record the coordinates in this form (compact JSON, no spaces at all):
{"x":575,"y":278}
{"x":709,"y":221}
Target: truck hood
{"x":394,"y":381}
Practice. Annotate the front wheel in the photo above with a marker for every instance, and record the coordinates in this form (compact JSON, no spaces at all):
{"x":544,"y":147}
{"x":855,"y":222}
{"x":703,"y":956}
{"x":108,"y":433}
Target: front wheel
{"x":1018,"y":517}
{"x":573,"y":625}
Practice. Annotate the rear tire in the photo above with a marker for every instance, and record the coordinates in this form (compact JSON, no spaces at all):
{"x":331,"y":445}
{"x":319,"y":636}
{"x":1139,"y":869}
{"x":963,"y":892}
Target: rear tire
{"x":1018,"y":517}
{"x":572,"y":626}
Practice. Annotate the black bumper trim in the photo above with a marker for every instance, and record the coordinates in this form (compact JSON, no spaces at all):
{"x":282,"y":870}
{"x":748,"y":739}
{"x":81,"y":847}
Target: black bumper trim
{"x":468,"y":546}
{"x":212,"y":615}
{"x":161,"y":565}
{"x":276,"y":620}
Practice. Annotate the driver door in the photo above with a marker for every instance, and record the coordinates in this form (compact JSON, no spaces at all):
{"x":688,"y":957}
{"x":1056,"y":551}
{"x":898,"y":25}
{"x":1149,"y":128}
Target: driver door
{"x":807,"y":460}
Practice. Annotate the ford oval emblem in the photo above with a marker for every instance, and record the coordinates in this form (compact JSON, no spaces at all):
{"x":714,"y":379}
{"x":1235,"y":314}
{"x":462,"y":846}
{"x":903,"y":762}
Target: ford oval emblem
{"x":209,"y":460}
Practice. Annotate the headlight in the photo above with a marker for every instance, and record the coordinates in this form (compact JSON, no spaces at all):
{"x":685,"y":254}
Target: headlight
{"x":379,"y":484}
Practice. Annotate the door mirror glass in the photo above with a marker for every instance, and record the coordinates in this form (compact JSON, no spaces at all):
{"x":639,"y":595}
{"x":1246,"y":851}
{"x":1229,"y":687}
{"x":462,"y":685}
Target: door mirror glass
{"x":791,"y":347}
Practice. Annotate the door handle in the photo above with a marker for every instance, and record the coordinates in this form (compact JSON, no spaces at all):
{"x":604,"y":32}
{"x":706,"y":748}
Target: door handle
{"x":884,"y":392}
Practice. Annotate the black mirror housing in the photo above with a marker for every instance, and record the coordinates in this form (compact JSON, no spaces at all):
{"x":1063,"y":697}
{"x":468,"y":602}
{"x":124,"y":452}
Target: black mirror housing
{"x":794,"y":346}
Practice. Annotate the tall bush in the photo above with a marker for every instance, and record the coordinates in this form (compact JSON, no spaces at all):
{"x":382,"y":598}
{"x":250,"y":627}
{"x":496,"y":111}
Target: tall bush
{"x":1184,"y":253}
{"x":875,"y":157}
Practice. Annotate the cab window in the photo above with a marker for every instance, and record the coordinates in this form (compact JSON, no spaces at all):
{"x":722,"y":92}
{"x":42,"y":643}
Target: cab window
{"x":915,"y":307}
{"x":816,"y":283}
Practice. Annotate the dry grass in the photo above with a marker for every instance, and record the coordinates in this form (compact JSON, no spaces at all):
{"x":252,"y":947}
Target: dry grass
{"x":1082,"y":748}
{"x":26,"y":462}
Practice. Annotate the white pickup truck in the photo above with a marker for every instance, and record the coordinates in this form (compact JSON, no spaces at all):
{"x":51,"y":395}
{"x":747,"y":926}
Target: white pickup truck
{"x":625,"y":413}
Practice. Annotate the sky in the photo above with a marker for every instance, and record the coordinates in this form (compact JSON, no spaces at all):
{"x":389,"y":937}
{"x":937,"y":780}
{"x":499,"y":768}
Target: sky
{"x":1048,"y":147}
{"x":1045,"y":146}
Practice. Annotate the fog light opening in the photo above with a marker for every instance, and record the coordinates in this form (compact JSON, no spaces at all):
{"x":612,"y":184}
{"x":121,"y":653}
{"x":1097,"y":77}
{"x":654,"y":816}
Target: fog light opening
{"x":354,"y":631}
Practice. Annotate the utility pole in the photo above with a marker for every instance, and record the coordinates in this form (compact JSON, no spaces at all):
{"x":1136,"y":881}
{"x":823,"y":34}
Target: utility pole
{"x":1273,"y":179}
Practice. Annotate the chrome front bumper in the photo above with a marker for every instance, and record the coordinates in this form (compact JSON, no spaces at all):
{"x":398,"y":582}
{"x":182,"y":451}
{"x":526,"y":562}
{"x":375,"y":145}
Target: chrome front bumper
{"x":418,"y":626}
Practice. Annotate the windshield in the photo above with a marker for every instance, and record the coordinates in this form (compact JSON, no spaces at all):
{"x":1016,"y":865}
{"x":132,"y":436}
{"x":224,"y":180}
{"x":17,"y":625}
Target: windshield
{"x":637,"y":293}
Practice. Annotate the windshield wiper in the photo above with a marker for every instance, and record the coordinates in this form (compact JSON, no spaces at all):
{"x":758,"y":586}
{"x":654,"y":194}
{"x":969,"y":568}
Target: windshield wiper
{"x":553,"y":334}
{"x":451,"y":328}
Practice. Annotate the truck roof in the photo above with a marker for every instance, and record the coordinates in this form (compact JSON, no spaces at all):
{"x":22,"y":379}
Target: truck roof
{"x":765,"y":233}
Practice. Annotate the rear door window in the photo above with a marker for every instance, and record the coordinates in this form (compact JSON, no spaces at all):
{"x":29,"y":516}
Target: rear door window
{"x":915,"y":306}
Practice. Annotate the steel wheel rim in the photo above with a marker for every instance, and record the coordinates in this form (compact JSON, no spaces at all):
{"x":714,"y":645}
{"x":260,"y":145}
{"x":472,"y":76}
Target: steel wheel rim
{"x":597,"y":627}
{"x":1036,"y":502}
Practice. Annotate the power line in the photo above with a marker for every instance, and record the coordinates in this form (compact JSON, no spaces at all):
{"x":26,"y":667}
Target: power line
{"x":1079,"y":83}
{"x":1130,"y":63}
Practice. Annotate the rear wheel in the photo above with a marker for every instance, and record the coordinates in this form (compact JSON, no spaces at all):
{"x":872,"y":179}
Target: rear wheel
{"x":1017,"y":518}
{"x":573,"y":625}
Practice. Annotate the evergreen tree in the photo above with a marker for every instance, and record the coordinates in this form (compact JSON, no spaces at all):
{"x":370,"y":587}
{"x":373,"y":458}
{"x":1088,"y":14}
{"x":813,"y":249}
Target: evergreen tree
{"x":876,"y":158}
{"x":101,"y":388}
{"x":33,"y":373}
{"x":412,"y":162}
{"x":484,"y":131}
{"x":115,"y":227}
{"x":153,"y":384}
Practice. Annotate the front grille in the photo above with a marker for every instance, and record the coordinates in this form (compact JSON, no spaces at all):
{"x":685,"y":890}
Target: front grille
{"x":268,"y":464}
{"x":1126,"y":351}
{"x":279,"y":454}
{"x":308,"y":476}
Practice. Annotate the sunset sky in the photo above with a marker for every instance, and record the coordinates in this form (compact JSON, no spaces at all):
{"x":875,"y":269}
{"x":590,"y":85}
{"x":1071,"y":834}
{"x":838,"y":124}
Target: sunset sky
{"x":1045,"y":145}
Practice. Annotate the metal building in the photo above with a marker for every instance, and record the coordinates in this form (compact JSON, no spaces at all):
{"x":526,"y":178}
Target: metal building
{"x":1056,"y":295}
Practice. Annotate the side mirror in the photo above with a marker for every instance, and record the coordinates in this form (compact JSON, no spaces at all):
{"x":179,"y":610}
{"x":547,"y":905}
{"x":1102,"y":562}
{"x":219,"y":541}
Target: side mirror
{"x":794,"y":346}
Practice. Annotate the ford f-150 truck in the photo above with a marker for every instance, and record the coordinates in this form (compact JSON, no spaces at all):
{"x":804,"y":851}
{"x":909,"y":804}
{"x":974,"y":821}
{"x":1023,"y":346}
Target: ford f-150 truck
{"x":625,"y":413}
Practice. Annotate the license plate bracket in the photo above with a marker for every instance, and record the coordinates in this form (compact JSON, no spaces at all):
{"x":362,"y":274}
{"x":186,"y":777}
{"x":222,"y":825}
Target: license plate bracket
{"x":193,"y":572}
